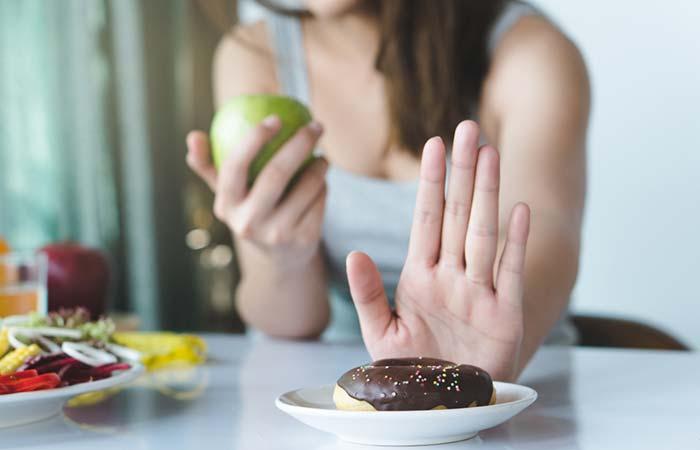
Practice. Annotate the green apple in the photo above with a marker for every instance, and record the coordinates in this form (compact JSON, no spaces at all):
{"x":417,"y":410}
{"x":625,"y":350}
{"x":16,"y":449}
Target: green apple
{"x":238,"y":117}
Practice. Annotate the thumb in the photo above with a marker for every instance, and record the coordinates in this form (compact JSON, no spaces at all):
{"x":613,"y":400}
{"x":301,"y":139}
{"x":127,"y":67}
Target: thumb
{"x":368,"y":294}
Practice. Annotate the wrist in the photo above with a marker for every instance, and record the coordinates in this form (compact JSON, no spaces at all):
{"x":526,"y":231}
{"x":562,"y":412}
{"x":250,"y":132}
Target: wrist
{"x":281,"y":263}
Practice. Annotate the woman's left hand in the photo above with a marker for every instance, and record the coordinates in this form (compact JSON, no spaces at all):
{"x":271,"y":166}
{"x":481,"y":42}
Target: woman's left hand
{"x":448,"y":303}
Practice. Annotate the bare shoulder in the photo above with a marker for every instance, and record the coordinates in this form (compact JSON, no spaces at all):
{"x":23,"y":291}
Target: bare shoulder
{"x":535,"y":64}
{"x":244,"y":63}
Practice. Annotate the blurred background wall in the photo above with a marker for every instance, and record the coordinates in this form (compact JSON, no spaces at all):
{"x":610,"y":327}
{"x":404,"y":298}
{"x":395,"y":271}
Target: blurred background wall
{"x":97,"y":96}
{"x":641,"y":243}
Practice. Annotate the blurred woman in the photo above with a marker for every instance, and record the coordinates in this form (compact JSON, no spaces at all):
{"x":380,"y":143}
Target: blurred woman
{"x":444,"y":223}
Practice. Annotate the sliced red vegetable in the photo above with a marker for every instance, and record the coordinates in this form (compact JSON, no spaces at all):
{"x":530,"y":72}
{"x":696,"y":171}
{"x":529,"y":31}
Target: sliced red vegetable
{"x":63,"y":371}
{"x":18,"y":376}
{"x":50,"y":371}
{"x":74,"y":374}
{"x":107,"y":369}
{"x":40,"y":360}
{"x":45,"y":381}
{"x":56,"y":366}
{"x":39,"y":382}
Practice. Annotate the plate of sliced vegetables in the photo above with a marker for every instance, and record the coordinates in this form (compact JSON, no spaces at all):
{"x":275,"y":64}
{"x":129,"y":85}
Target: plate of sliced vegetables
{"x":47,"y":359}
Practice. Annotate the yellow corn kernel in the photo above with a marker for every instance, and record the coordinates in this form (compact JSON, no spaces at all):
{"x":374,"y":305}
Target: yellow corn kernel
{"x":4,"y":342}
{"x":13,"y":360}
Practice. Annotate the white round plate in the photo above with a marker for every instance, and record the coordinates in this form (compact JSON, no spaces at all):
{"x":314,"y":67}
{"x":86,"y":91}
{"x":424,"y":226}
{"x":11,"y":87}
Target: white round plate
{"x":314,"y":407}
{"x":27,"y":407}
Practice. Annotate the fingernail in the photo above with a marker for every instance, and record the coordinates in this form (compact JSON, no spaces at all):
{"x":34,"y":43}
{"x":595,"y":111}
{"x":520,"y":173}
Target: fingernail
{"x":271,"y":121}
{"x":316,"y":127}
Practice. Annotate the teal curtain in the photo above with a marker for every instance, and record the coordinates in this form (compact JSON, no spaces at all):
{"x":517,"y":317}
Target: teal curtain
{"x":96,"y":97}
{"x":53,"y":145}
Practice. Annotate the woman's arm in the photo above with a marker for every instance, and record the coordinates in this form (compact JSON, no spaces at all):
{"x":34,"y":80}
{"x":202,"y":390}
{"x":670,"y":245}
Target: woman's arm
{"x":282,"y":291}
{"x":536,"y":108}
{"x":457,"y":299}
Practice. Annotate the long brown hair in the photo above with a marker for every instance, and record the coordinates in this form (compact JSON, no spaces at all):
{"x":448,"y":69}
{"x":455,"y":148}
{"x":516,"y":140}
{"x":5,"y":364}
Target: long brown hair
{"x":434,"y":58}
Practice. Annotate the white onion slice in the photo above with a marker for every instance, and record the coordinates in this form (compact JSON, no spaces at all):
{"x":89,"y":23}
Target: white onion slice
{"x":48,"y":344}
{"x":88,"y":354}
{"x":14,"y":341}
{"x":38,"y":334}
{"x":14,"y":320}
{"x":124,"y":352}
{"x":52,"y":331}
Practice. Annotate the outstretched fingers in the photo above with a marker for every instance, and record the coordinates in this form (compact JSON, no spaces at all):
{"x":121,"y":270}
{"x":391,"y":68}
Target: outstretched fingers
{"x":459,"y":193}
{"x":368,"y":294}
{"x":424,"y":244}
{"x":482,"y":232}
{"x":510,"y":281}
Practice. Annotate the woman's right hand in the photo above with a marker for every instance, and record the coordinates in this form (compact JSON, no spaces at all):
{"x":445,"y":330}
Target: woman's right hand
{"x":286,"y":226}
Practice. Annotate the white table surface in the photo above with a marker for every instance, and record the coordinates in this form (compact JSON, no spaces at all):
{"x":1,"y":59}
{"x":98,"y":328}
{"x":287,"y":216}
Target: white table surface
{"x":588,"y":399}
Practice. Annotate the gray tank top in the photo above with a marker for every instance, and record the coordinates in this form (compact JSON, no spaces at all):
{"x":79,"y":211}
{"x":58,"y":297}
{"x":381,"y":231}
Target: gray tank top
{"x":372,"y":215}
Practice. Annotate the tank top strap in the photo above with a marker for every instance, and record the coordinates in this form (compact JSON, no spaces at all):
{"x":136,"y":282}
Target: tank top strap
{"x":288,"y":44}
{"x":512,"y":12}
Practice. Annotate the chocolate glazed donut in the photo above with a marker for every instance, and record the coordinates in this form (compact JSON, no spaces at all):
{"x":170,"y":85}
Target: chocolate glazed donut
{"x":403,"y":384}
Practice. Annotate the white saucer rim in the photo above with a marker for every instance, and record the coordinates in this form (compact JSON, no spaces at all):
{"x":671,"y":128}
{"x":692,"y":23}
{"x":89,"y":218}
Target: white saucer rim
{"x":528,"y":399}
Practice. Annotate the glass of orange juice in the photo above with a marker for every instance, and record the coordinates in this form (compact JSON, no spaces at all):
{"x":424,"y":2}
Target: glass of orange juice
{"x":22,"y":283}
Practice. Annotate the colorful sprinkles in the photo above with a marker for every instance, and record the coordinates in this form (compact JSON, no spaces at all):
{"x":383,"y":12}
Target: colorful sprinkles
{"x":418,"y":383}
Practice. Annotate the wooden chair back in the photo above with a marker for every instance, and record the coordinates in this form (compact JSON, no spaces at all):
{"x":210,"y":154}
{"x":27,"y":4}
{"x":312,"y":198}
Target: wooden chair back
{"x":595,"y":331}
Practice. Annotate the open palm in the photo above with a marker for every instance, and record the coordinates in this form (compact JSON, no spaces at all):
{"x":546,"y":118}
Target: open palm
{"x":448,"y":304}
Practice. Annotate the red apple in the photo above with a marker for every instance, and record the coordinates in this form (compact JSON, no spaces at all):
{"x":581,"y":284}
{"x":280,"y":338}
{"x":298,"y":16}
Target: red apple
{"x":77,"y":276}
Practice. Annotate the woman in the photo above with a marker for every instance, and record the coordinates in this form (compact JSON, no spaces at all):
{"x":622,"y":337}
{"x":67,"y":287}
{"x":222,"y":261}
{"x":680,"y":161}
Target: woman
{"x":381,"y":78}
